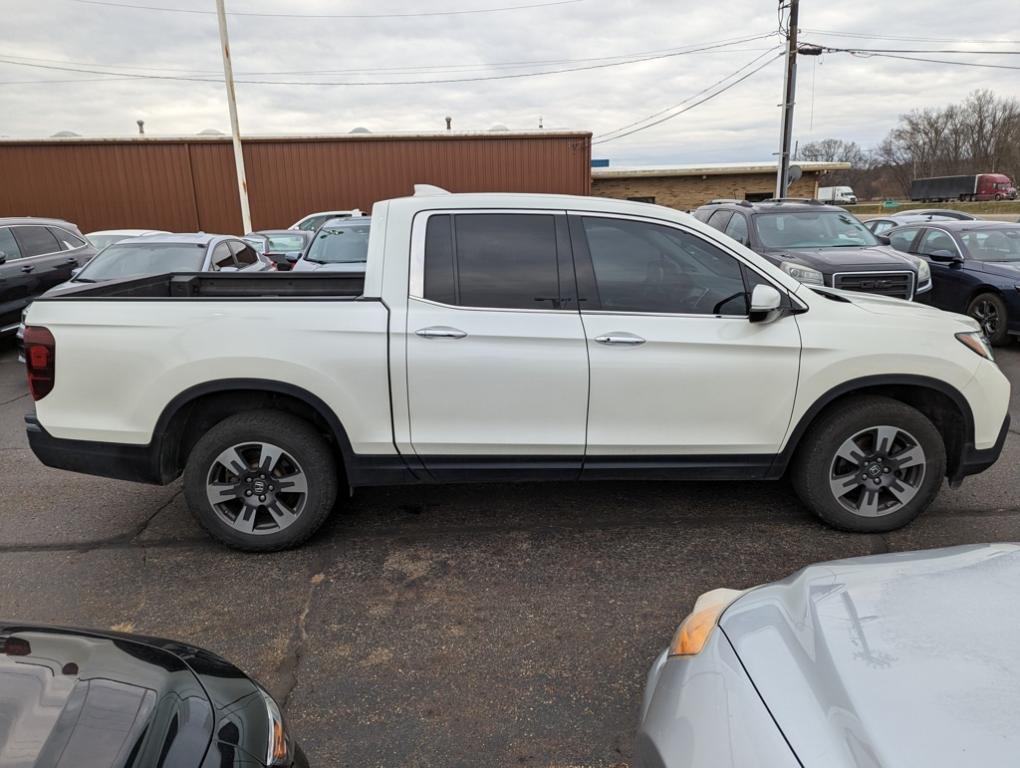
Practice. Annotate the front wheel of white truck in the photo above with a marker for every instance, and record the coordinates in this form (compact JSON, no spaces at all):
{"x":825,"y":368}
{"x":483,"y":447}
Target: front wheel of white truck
{"x":261,"y":481}
{"x":870,"y":464}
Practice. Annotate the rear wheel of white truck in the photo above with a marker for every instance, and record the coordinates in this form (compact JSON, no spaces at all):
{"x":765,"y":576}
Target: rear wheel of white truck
{"x":870,"y":464}
{"x":261,"y":481}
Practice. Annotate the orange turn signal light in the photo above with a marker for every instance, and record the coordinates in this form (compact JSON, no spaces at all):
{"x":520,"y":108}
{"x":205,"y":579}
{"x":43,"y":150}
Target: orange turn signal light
{"x":695,"y":630}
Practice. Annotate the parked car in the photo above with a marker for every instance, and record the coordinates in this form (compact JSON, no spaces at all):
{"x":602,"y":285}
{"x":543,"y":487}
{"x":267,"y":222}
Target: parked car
{"x":106,"y":237}
{"x":976,"y":270}
{"x":339,"y":245}
{"x":77,"y":697}
{"x":881,"y":225}
{"x":160,"y":254}
{"x":512,"y":337}
{"x":906,"y":659}
{"x":313,"y":221}
{"x":980,"y":186}
{"x":819,"y":245}
{"x":281,"y":246}
{"x":35,"y":255}
{"x":837,"y":195}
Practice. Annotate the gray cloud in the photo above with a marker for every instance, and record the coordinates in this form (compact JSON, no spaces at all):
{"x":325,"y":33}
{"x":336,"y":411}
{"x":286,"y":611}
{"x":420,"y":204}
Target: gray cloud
{"x":839,"y":95}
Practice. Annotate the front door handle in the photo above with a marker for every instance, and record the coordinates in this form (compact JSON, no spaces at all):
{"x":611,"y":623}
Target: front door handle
{"x":27,"y":268}
{"x":618,"y":337}
{"x":440,"y":332}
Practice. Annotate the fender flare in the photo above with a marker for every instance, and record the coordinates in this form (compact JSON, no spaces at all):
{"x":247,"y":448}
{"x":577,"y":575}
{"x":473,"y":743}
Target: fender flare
{"x":782,"y":459}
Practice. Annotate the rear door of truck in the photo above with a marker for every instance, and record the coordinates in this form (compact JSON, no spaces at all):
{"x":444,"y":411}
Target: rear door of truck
{"x":497,"y":364}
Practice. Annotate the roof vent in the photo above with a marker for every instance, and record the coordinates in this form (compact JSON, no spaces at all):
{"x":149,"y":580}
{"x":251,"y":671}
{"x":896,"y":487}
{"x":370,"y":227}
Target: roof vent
{"x":210,"y":132}
{"x":428,"y":190}
{"x":360,"y":129}
{"x":65,"y":135}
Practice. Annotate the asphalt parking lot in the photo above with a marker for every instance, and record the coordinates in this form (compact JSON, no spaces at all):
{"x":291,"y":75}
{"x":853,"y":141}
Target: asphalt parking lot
{"x":447,"y":626}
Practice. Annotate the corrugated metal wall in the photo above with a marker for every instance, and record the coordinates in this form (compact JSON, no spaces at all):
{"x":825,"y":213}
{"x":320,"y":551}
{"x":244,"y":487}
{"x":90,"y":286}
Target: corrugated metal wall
{"x":189,"y":184}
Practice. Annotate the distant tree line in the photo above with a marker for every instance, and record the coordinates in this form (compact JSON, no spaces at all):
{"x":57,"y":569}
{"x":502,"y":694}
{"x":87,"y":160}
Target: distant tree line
{"x":979,"y":135}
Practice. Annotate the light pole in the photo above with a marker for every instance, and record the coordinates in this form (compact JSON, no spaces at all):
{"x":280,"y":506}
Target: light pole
{"x":228,"y":76}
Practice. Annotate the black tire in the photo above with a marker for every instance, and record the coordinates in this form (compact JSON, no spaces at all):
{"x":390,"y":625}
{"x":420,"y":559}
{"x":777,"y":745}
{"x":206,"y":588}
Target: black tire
{"x":990,"y":310}
{"x":816,"y":461}
{"x":303,"y":453}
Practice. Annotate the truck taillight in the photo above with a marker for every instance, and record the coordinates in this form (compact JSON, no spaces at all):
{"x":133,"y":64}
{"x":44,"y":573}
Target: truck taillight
{"x":40,"y":358}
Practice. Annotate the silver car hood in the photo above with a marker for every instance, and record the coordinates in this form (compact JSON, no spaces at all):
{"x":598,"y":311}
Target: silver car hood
{"x":908,"y":659}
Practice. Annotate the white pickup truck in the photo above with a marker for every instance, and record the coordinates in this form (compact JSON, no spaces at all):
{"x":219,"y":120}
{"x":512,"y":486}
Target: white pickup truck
{"x":511,"y":337}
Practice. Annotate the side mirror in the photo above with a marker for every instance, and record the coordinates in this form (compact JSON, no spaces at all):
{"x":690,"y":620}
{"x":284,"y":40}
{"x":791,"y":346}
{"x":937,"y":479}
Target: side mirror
{"x":884,"y":239}
{"x":766,"y":303}
{"x":945,"y":256}
{"x":75,"y":271}
{"x":3,"y":256}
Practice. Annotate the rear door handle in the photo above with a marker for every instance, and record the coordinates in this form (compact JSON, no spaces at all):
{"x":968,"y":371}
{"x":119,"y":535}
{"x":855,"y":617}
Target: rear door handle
{"x":27,"y":268}
{"x":617,"y":337}
{"x":71,"y":260}
{"x":440,"y":332}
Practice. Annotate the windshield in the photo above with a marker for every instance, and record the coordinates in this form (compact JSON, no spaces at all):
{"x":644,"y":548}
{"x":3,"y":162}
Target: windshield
{"x":285,"y":243}
{"x":101,"y":241}
{"x":811,"y":229}
{"x":137,"y":260}
{"x":993,"y":245}
{"x":340,"y":245}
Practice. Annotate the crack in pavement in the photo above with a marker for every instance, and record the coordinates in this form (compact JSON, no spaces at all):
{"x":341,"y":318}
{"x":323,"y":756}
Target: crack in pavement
{"x":290,"y":667}
{"x":120,"y":541}
{"x":14,"y":399}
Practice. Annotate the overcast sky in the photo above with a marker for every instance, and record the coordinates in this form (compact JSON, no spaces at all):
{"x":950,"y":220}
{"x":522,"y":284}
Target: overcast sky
{"x":839,"y":95}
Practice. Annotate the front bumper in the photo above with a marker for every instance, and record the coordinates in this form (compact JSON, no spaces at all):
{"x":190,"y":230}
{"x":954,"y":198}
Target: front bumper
{"x":703,"y":712}
{"x":137,"y":463}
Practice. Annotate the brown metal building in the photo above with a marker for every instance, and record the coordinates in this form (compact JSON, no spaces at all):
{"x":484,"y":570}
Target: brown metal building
{"x":188,"y":184}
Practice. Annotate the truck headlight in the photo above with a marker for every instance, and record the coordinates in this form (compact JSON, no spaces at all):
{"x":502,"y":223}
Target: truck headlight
{"x":923,"y":272}
{"x":977,"y":343}
{"x":695,"y":630}
{"x":278,"y":751}
{"x":802,"y":273}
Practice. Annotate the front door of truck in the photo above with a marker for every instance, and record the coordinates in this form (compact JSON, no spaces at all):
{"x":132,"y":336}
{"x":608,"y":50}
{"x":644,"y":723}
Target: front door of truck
{"x":497,"y":366}
{"x":680,"y":378}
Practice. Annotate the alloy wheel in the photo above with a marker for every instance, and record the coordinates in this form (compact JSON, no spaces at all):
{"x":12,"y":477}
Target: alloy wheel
{"x":987,"y":314}
{"x":256,"y":488}
{"x":877,"y":471}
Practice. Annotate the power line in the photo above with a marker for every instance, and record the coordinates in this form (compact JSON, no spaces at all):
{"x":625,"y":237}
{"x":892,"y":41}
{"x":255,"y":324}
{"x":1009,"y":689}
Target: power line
{"x":865,"y":53}
{"x":404,"y":69}
{"x":916,"y":50}
{"x":708,"y":88}
{"x":905,"y":38}
{"x":463,"y":12}
{"x":688,"y":108}
{"x":509,"y":76}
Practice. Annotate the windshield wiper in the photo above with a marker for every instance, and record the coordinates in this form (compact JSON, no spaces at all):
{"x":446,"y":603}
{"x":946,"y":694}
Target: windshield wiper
{"x":83,"y":280}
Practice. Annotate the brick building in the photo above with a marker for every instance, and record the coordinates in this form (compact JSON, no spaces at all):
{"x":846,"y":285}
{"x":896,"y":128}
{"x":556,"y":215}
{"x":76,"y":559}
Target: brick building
{"x":687,"y":186}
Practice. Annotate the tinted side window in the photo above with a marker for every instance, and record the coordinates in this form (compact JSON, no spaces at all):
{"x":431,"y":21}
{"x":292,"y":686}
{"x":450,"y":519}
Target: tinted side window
{"x":644,"y":267}
{"x":499,"y":260}
{"x":8,"y":244}
{"x":244,"y":253}
{"x":881,"y":227}
{"x":222,"y":257}
{"x":737,"y":228}
{"x":718,"y":219}
{"x":902,"y":238}
{"x":936,"y":240}
{"x":440,"y":276}
{"x":702,"y":214}
{"x":68,"y":240}
{"x":35,"y":240}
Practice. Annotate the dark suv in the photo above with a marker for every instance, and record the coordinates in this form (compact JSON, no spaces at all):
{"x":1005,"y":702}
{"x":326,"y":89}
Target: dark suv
{"x":35,"y":255}
{"x":819,"y":244}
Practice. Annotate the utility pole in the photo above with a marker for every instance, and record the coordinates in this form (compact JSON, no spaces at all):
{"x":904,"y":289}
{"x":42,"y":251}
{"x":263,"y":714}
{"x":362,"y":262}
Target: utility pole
{"x":789,"y":95}
{"x":228,"y":76}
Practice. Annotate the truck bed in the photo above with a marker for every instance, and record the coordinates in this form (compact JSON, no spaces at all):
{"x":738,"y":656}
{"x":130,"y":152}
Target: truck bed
{"x":212,"y":285}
